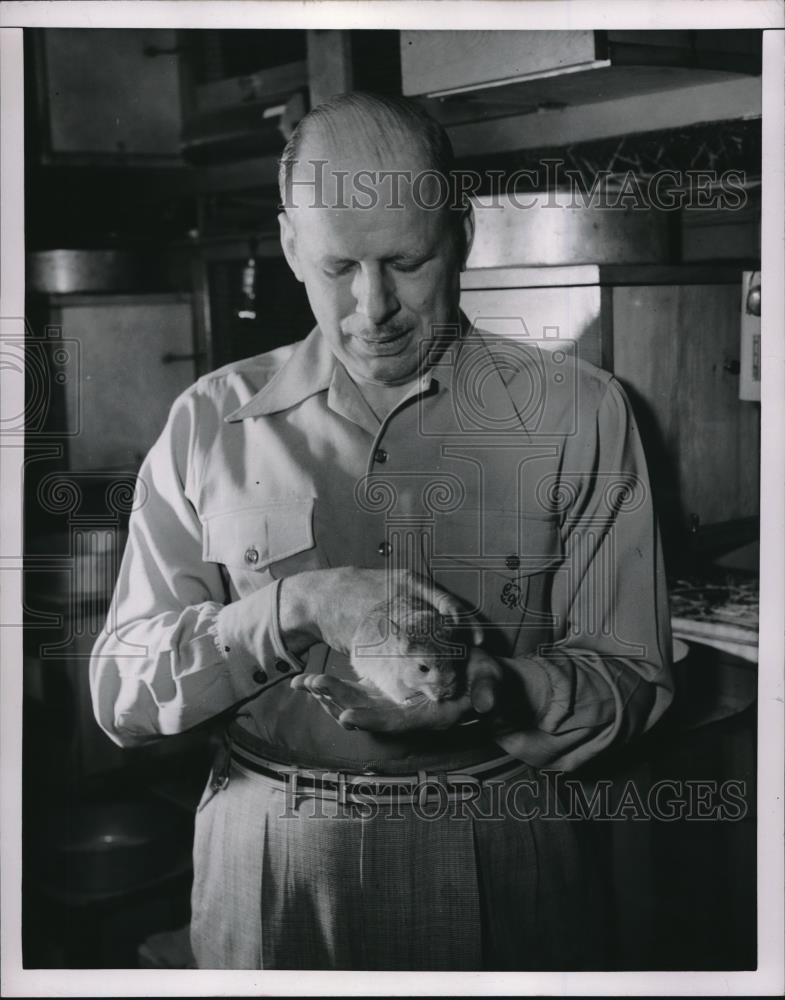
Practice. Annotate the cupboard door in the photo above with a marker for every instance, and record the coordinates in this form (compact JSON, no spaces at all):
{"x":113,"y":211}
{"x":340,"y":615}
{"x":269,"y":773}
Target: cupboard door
{"x":136,"y":355}
{"x":110,"y":93}
{"x":671,"y":344}
{"x":433,"y":62}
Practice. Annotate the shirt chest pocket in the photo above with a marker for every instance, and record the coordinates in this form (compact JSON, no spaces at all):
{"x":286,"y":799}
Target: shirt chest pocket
{"x":257,"y":545}
{"x":502,"y":565}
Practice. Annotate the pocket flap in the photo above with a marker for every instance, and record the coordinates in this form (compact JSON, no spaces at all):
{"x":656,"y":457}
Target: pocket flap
{"x":512,"y":545}
{"x":255,"y":537}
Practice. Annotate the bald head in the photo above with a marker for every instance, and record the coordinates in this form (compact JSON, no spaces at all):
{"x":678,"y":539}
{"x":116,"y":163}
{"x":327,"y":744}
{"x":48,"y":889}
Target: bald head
{"x":370,"y":226}
{"x":378,"y":128}
{"x":340,"y":148}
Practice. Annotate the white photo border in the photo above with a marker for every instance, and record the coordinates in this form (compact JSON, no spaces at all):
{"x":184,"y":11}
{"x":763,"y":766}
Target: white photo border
{"x":769,"y":978}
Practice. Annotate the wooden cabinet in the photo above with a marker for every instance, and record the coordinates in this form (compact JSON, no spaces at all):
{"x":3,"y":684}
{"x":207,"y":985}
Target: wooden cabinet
{"x":129,"y":357}
{"x":531,"y":68}
{"x":501,"y":91}
{"x":108,"y":95}
{"x":440,"y":62}
{"x":675,"y":346}
{"x":672,"y":337}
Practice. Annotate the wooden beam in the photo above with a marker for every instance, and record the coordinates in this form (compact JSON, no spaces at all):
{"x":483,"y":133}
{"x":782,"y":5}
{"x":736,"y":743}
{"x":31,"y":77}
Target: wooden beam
{"x":262,"y":87}
{"x":330,"y":69}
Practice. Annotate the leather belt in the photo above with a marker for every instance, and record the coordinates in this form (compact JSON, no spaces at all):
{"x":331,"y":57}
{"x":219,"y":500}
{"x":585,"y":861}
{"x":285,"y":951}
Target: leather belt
{"x":370,"y":786}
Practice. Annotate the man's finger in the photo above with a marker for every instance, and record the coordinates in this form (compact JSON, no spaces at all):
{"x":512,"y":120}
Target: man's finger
{"x":449,"y":606}
{"x":483,"y":694}
{"x":377,"y":720}
{"x":326,"y":701}
{"x":334,"y":692}
{"x":399,"y":718}
{"x":327,"y":704}
{"x":346,"y":693}
{"x":485,"y":675}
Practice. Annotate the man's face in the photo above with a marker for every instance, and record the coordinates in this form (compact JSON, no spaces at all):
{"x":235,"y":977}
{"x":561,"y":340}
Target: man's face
{"x":379,"y":280}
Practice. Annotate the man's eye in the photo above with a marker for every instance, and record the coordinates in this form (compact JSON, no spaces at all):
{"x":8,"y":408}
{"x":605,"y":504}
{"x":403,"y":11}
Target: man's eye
{"x":408,"y":266}
{"x":338,"y":270}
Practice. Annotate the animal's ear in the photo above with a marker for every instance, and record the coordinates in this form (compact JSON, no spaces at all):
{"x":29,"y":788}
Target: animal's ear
{"x":388,"y":626}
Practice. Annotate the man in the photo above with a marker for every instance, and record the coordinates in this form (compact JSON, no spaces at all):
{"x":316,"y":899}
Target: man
{"x":393,"y":452}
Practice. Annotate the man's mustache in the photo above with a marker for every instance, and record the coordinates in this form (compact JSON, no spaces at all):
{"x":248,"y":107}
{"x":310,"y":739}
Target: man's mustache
{"x":390,"y":331}
{"x":386,"y":332}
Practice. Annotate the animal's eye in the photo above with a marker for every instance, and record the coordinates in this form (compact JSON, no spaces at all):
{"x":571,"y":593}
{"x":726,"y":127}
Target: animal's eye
{"x":423,"y":669}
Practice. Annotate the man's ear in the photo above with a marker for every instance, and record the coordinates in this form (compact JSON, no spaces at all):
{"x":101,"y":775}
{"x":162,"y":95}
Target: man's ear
{"x":468,"y":232}
{"x":289,"y":244}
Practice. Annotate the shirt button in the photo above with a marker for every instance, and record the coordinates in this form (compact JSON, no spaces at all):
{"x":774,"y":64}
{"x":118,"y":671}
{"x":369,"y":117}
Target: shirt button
{"x":384,"y":548}
{"x":380,"y":456}
{"x":282,"y":666}
{"x":260,"y":676}
{"x":251,"y":555}
{"x":512,"y":562}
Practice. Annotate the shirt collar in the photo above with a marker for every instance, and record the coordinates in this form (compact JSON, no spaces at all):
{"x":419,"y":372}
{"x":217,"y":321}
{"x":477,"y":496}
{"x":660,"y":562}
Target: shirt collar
{"x":312,"y":368}
{"x":308,"y":370}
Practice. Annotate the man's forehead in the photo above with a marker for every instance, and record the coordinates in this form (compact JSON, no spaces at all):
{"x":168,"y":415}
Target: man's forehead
{"x":362,"y":142}
{"x":358,"y":233}
{"x":336,"y":169}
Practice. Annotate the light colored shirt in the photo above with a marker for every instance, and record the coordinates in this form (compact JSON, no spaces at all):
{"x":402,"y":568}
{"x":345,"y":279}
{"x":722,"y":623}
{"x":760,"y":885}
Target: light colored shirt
{"x":514,"y":476}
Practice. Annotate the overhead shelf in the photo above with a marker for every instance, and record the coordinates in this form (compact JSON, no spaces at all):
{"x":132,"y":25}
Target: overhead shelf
{"x":478,"y":76}
{"x":244,"y":116}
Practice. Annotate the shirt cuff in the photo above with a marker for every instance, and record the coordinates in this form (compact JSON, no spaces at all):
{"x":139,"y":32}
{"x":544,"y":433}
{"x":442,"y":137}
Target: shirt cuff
{"x":531,"y":675}
{"x":248,"y":637}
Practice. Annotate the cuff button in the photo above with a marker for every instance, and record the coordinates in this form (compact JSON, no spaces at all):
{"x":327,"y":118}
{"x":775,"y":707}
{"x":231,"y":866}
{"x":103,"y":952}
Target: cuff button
{"x":282,"y":666}
{"x":260,"y":676}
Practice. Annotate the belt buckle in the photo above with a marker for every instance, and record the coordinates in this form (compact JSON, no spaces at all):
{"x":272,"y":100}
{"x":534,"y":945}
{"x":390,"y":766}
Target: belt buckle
{"x":350,"y":782}
{"x":218,"y":782}
{"x":340,"y":777}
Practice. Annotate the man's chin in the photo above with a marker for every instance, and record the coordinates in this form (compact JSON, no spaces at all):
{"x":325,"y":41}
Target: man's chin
{"x":386,"y":370}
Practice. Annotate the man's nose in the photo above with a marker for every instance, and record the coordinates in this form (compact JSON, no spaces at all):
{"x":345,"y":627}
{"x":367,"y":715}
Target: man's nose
{"x":374,"y":291}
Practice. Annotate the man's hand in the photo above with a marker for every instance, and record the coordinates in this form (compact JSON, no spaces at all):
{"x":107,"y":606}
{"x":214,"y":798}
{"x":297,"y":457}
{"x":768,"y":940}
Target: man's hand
{"x":355,"y":706}
{"x":327,"y":605}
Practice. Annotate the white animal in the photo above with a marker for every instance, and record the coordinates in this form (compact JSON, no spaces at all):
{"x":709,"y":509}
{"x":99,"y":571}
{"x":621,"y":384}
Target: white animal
{"x":407,"y":650}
